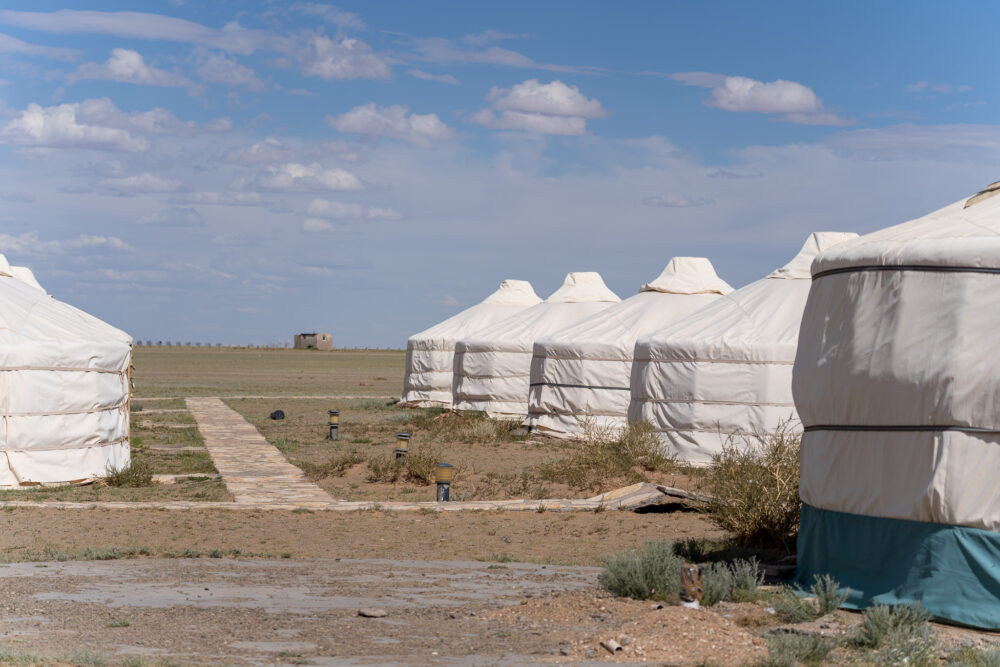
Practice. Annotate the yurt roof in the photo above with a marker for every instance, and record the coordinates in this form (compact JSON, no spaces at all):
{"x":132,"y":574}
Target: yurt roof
{"x":654,"y":307}
{"x":964,"y":234}
{"x":581,"y":295}
{"x":758,"y":321}
{"x":508,"y":299}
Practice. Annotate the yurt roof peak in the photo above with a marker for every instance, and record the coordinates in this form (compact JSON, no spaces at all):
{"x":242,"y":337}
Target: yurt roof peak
{"x":513,"y":293}
{"x":799,"y":267}
{"x":581,"y":287}
{"x":688,"y":275}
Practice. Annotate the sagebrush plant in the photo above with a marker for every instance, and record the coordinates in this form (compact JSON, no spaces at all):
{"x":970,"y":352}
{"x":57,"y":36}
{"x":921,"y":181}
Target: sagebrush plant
{"x":650,"y":573}
{"x":973,"y":657}
{"x":468,"y":427}
{"x":754,"y":484}
{"x":787,"y":649}
{"x":826,"y":597}
{"x":900,"y":630}
{"x":610,"y":455}
{"x":136,"y":473}
{"x":736,"y":581}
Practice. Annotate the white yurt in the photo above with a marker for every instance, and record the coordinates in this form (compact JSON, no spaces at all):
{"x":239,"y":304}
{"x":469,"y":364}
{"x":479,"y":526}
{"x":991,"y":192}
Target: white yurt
{"x":897,"y":383}
{"x":25,"y":275}
{"x":580,"y":375}
{"x":64,"y":388}
{"x":492,"y":368}
{"x":429,"y":354}
{"x":726,"y":369}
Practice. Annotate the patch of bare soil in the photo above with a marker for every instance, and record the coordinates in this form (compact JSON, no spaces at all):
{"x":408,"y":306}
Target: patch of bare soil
{"x":549,"y":537}
{"x":641,"y":631}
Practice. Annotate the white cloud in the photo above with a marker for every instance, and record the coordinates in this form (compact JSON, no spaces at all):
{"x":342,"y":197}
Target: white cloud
{"x":797,"y":103}
{"x":128,"y":66}
{"x":138,"y":25}
{"x":296,"y":177}
{"x":175,"y":216}
{"x":427,"y":76}
{"x":30,"y":244}
{"x":395,"y":121}
{"x":440,"y":50}
{"x":268,"y":150}
{"x":486,"y":36}
{"x":344,"y":59}
{"x":324,"y":208}
{"x":10,"y":44}
{"x":550,"y":108}
{"x":330,"y":14}
{"x":223,"y":124}
{"x":674,"y":200}
{"x":71,"y":126}
{"x":316,"y":225}
{"x":555,"y":98}
{"x":220,"y":198}
{"x":219,"y":68}
{"x":127,"y":186}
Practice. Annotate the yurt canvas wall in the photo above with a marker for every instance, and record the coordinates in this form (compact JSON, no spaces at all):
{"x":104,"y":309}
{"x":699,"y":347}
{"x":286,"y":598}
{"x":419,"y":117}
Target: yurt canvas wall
{"x":726,"y":369}
{"x":64,"y":389}
{"x":580,"y":375}
{"x":430,"y":353}
{"x":897,"y":383}
{"x":492,"y":368}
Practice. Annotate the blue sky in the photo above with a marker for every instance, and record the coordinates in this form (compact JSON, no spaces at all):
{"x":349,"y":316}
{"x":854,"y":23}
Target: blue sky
{"x":238,"y":172}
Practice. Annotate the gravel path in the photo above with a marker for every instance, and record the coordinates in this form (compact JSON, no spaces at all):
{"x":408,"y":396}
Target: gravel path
{"x":279,"y":611}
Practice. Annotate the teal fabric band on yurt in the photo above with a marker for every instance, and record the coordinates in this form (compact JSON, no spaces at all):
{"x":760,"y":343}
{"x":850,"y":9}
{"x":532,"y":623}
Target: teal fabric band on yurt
{"x":953,"y":571}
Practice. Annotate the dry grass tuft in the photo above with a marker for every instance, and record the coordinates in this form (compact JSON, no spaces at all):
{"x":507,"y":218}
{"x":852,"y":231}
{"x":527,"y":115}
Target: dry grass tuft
{"x":335,"y":466}
{"x":610,"y":456}
{"x":136,"y":474}
{"x":755,"y":486}
{"x":417,"y":467}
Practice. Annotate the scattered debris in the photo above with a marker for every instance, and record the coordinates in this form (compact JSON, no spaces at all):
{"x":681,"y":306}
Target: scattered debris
{"x":611,"y":645}
{"x":372,"y":612}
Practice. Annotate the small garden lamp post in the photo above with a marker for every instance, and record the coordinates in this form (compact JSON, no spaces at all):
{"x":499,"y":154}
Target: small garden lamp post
{"x":334,"y":425}
{"x":443,"y":474}
{"x":402,"y":445}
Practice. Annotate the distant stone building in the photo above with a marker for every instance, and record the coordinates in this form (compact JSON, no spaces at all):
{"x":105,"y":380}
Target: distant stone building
{"x":313,"y":341}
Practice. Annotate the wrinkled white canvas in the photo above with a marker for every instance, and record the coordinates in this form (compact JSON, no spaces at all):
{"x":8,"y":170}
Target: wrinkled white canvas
{"x":430,"y":354}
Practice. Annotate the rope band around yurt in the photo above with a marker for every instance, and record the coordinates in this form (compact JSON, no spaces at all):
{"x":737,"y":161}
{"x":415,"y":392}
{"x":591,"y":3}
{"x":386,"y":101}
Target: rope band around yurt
{"x":907,"y":267}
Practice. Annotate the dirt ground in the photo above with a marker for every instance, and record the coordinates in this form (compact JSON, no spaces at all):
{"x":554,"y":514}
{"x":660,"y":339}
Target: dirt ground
{"x":209,"y":371}
{"x":566,"y":538}
{"x":419,"y":612}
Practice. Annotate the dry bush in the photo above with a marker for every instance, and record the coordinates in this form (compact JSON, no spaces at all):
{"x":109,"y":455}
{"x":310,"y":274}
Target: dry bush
{"x":754,"y":483}
{"x":417,"y":466}
{"x":468,"y":427}
{"x":494,"y":486}
{"x":335,"y":466}
{"x":136,"y":474}
{"x":608,"y":456}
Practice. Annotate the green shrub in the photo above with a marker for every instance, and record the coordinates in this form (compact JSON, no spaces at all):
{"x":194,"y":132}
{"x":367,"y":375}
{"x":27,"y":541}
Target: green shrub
{"x":725,"y":582}
{"x":827,"y":593}
{"x":136,"y":473}
{"x":650,"y":573}
{"x":826,"y":597}
{"x":787,"y":649}
{"x":881,"y":622}
{"x":754,"y":483}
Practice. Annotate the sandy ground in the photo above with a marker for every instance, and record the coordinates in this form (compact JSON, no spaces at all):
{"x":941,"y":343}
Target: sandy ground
{"x":577,"y":538}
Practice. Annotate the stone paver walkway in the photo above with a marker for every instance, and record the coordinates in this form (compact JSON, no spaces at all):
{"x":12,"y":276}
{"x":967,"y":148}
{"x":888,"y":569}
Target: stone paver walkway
{"x":252,"y":468}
